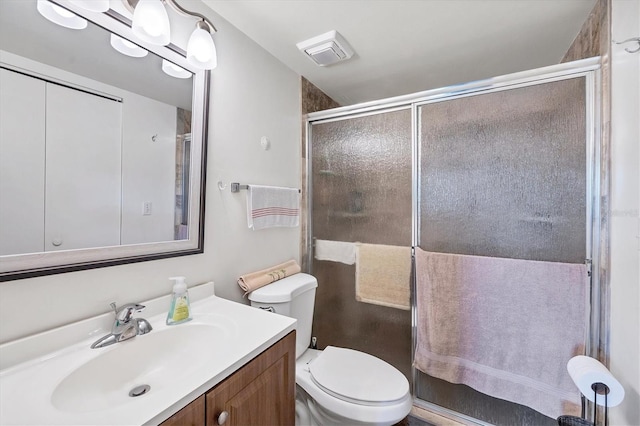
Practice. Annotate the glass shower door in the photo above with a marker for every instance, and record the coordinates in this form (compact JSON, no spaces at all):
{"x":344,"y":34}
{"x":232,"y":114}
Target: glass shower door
{"x":361,"y":192}
{"x":503,"y":174}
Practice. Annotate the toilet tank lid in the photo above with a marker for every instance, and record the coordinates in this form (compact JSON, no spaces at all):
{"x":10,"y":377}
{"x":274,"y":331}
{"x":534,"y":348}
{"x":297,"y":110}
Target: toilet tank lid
{"x":284,"y":290}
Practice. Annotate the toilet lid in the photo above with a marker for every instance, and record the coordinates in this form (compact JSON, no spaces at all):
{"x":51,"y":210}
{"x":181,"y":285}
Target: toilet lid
{"x":358,"y":377}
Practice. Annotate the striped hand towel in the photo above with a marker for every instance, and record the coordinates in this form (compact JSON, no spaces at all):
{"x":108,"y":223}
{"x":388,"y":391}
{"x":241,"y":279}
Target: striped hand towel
{"x":269,"y":206}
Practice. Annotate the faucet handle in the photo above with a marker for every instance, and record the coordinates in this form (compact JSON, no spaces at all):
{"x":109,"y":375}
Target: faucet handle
{"x":124,"y":313}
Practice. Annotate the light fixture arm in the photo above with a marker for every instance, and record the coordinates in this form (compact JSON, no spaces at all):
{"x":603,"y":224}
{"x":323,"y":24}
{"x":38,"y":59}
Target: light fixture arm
{"x":181,"y":11}
{"x":131,"y":5}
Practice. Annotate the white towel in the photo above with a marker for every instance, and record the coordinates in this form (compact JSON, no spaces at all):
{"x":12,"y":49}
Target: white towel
{"x":505,"y":327}
{"x":270,"y":206}
{"x":335,"y":251}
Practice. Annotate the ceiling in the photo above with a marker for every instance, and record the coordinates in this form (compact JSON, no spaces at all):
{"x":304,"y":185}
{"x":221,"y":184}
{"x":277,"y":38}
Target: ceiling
{"x":407,"y":46}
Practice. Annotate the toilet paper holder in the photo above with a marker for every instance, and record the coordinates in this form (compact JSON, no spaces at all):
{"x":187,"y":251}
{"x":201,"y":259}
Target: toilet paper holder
{"x":598,"y":389}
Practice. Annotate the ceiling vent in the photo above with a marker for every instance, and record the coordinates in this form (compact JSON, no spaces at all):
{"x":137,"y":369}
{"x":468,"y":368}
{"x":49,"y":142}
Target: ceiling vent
{"x":326,"y":49}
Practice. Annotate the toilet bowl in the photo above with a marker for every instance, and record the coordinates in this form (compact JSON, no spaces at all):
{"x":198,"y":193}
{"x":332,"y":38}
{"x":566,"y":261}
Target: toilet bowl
{"x":342,"y":386}
{"x":334,"y":386}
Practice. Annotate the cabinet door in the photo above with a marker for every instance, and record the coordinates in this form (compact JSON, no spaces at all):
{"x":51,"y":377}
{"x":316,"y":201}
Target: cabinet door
{"x":191,"y":415}
{"x":261,"y":393}
{"x":83,"y":176}
{"x":22,"y":136}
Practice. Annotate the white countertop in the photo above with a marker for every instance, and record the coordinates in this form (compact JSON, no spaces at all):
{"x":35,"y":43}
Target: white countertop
{"x":26,"y":389}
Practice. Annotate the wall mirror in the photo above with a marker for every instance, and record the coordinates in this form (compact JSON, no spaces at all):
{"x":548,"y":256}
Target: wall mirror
{"x":102,"y":154}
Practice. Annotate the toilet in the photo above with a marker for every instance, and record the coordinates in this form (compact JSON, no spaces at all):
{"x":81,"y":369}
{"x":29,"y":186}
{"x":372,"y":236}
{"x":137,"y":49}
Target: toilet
{"x":335,"y":386}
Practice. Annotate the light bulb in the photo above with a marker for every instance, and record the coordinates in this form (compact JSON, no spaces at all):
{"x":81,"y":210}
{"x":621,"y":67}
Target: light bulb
{"x":127,"y":43}
{"x":174,"y":70}
{"x":62,"y":11}
{"x":60,"y":15}
{"x":125,"y":47}
{"x":151,"y":22}
{"x":201,"y":51}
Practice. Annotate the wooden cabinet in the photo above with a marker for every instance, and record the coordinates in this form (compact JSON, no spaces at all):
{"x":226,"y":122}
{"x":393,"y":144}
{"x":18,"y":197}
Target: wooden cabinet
{"x":191,"y":415}
{"x":260,"y":393}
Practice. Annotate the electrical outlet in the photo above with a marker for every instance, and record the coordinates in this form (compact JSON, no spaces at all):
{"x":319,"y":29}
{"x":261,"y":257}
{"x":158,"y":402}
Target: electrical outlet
{"x":146,"y":208}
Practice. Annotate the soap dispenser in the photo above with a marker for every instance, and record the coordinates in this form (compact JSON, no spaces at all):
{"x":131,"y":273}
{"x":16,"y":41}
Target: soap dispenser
{"x":180,"y":310}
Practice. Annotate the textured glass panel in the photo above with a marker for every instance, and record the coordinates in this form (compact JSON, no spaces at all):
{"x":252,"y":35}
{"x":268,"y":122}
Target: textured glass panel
{"x":470,"y":402}
{"x":361,"y":177}
{"x":503,"y":174}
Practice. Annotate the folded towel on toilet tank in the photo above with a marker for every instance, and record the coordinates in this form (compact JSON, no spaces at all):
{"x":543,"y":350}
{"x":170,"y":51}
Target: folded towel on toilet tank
{"x":257,"y":279}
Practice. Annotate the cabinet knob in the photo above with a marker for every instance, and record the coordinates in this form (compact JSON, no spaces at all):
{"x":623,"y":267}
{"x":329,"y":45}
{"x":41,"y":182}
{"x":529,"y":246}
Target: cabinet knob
{"x":222,"y":418}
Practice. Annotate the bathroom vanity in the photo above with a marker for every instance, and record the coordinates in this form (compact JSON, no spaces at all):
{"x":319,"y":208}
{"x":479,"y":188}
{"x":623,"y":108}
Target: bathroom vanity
{"x":260,"y":393}
{"x":231,"y":364}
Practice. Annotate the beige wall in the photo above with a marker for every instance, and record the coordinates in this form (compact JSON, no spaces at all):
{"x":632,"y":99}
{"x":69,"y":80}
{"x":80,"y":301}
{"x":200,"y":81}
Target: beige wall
{"x":252,"y":95}
{"x":593,"y":36}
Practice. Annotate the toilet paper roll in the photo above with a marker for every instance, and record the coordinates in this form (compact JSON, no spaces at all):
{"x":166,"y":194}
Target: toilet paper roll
{"x":585,"y":371}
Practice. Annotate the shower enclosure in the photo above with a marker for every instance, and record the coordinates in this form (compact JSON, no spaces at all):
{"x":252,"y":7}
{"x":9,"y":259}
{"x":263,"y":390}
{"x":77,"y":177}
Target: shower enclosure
{"x":506,"y":167}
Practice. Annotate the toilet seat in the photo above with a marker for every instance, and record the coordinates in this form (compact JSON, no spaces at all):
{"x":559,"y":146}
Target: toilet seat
{"x":329,"y":407}
{"x":357,"y":377}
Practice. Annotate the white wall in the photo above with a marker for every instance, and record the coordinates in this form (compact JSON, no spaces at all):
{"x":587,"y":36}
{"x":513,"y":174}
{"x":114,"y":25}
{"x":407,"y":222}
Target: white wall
{"x":625,"y":211}
{"x":252,"y":95}
{"x":148,"y":170}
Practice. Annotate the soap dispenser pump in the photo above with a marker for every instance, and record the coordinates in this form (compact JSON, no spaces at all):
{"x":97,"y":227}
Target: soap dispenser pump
{"x":180,"y":310}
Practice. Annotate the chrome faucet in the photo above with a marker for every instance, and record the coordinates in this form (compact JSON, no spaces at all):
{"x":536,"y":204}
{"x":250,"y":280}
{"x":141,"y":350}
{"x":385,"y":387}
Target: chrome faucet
{"x":125,"y":326}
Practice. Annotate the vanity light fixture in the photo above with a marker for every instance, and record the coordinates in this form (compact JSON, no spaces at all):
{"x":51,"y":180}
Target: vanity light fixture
{"x":92,"y":5}
{"x":61,"y":16}
{"x":125,"y":47}
{"x":201,"y":52}
{"x":173,"y":70}
{"x":151,"y":23}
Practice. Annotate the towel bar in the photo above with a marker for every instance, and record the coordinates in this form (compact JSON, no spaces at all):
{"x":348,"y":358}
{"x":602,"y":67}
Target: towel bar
{"x":236,"y":187}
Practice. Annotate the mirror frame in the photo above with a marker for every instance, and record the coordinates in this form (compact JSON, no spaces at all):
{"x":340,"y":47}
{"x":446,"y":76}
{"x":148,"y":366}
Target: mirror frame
{"x":20,"y":266}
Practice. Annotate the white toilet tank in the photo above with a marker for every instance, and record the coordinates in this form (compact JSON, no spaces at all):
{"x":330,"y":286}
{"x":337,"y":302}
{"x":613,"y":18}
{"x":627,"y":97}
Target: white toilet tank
{"x":293,"y":297}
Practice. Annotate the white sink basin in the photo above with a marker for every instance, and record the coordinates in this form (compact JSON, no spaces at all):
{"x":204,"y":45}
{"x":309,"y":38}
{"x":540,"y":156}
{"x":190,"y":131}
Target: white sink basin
{"x":152,"y":359}
{"x":77,"y":385}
